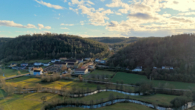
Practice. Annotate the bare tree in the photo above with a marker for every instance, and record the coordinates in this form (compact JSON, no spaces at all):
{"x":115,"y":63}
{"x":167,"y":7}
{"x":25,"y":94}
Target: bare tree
{"x":44,"y":98}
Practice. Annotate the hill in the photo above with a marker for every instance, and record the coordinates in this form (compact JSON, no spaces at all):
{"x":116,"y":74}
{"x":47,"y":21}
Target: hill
{"x":45,"y":46}
{"x":4,"y":40}
{"x":177,"y":51}
{"x":111,"y":40}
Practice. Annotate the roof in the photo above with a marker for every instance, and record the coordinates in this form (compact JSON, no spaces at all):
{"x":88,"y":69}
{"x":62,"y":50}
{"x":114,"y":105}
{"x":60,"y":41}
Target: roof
{"x":80,"y":69}
{"x":70,"y":64}
{"x":70,"y":60}
{"x":13,"y":63}
{"x":24,"y":63}
{"x":59,"y":63}
{"x":36,"y":69}
{"x":138,"y":67}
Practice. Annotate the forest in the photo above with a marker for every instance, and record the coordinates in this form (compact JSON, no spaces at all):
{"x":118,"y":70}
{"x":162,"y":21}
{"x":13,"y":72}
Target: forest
{"x":112,"y":40}
{"x":46,"y":46}
{"x":176,"y":51}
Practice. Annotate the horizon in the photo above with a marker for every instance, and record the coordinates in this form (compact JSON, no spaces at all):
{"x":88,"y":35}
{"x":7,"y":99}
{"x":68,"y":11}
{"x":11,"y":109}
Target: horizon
{"x":87,"y":18}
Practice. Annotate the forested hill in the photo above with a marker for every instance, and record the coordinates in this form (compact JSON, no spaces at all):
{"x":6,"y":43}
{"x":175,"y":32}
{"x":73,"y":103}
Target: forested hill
{"x":177,"y":51}
{"x":4,"y":40}
{"x":40,"y":46}
{"x":112,"y":40}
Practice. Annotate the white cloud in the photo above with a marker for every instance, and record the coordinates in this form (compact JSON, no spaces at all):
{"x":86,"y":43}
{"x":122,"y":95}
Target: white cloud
{"x":64,"y":28}
{"x":82,"y":22}
{"x":75,"y":10}
{"x":65,"y":0}
{"x":13,"y":24}
{"x":49,"y":5}
{"x":41,"y":26}
{"x":67,"y":24}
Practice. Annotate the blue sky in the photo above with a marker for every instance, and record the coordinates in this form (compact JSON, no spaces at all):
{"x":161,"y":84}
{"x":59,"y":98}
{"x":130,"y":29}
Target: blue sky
{"x":97,"y":18}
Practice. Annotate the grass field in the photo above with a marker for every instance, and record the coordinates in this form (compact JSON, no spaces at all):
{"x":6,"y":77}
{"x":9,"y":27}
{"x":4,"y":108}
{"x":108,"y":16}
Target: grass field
{"x":118,"y":106}
{"x":31,"y":82}
{"x":160,"y":99}
{"x":100,"y":72}
{"x":11,"y":72}
{"x":28,"y":102}
{"x":2,"y":93}
{"x":134,"y":78}
{"x":29,"y":61}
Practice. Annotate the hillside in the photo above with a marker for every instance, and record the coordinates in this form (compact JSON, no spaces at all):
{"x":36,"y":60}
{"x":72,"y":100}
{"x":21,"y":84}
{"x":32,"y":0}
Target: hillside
{"x":111,"y":40}
{"x":46,"y":46}
{"x":177,"y":51}
{"x":4,"y":40}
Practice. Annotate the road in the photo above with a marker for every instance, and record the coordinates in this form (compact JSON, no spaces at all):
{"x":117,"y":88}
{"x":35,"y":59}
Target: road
{"x":16,"y":76}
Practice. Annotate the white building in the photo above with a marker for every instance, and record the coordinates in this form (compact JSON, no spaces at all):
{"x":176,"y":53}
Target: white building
{"x":37,"y":64}
{"x":137,"y":69}
{"x":46,"y":64}
{"x":53,"y":61}
{"x":81,"y":71}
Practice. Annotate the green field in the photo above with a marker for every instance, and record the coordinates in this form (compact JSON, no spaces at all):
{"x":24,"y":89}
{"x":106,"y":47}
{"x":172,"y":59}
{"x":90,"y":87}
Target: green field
{"x":134,"y":78}
{"x":11,"y":72}
{"x":100,"y":72}
{"x":2,"y":93}
{"x":31,"y":82}
{"x":118,"y":106}
{"x":28,"y":102}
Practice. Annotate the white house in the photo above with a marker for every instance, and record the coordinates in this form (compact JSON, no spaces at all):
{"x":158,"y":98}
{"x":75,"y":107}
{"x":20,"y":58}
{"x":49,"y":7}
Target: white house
{"x":97,"y":60}
{"x":81,"y":71}
{"x":87,"y":58}
{"x":46,"y":64}
{"x":167,"y":68}
{"x":58,"y":60}
{"x":53,"y":61}
{"x":37,"y":64}
{"x":102,"y":61}
{"x":137,"y":69}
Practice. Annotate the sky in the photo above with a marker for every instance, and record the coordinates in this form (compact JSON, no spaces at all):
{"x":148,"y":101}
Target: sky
{"x":97,"y":18}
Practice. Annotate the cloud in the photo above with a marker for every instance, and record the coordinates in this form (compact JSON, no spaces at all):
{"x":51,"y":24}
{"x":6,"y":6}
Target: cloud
{"x":75,"y":10}
{"x":82,"y":22}
{"x":66,"y":24}
{"x":65,"y":0}
{"x":41,"y":26}
{"x":13,"y":24}
{"x":49,"y":5}
{"x":64,"y":28}
{"x":141,"y":16}
{"x":181,"y":19}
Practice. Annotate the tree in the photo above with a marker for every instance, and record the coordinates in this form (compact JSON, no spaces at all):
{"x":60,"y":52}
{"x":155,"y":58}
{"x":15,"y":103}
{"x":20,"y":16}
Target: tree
{"x":80,"y":65}
{"x":63,"y":68}
{"x":80,"y":78}
{"x":19,"y":73}
{"x":38,"y":87}
{"x":44,"y":98}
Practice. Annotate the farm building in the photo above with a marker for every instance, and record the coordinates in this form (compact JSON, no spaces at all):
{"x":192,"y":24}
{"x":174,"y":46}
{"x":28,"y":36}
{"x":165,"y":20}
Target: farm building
{"x":46,"y":64}
{"x":24,"y":64}
{"x":37,"y":64}
{"x":137,"y":69}
{"x":81,"y":71}
{"x":36,"y":71}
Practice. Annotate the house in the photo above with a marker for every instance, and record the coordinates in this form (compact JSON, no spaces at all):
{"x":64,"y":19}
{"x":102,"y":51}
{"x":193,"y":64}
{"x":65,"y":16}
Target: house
{"x":24,"y":64}
{"x":71,"y":61}
{"x":87,"y":59}
{"x":102,"y":61}
{"x":167,"y":68}
{"x":137,"y":69}
{"x":91,"y":66}
{"x":80,"y":60}
{"x":46,"y":64}
{"x":53,"y":60}
{"x":70,"y":65}
{"x":60,"y":64}
{"x":58,"y":60}
{"x":97,"y":60}
{"x":15,"y":68}
{"x":36,"y":71}
{"x":13,"y":64}
{"x":37,"y":64}
{"x":81,"y":71}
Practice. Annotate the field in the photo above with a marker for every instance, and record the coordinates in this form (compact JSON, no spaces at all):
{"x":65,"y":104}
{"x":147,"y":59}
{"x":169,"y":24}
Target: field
{"x":28,"y":102}
{"x":31,"y":82}
{"x":134,"y":78}
{"x":2,"y":93}
{"x":33,"y":101}
{"x":11,"y":72}
{"x":100,"y":72}
{"x":118,"y":106}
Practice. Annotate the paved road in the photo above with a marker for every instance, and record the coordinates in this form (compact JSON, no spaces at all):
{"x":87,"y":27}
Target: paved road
{"x":16,"y":76}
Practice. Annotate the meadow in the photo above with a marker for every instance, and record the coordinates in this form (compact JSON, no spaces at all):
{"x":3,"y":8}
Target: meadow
{"x":11,"y":72}
{"x":129,"y":78}
{"x":31,"y":82}
{"x":100,"y":72}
